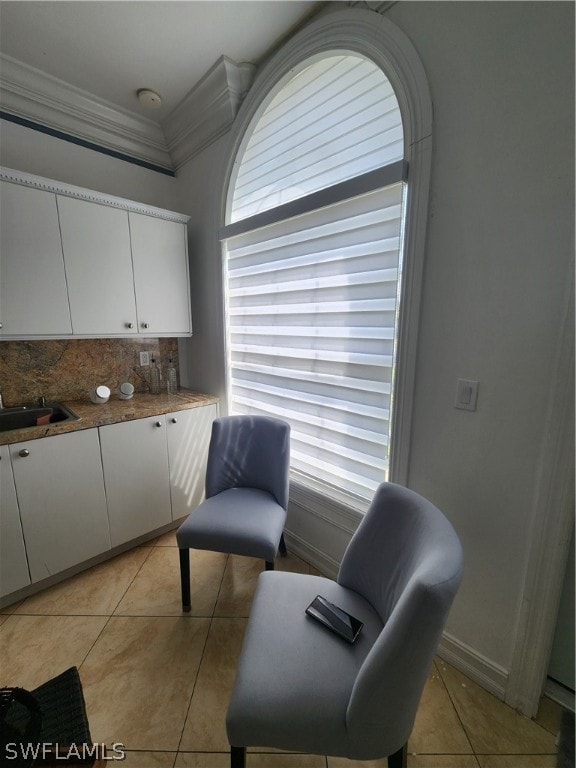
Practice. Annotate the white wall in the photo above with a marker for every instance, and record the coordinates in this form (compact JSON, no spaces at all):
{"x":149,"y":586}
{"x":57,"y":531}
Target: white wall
{"x":30,"y":151}
{"x":200,"y":184}
{"x":500,"y":253}
{"x":499,"y":257}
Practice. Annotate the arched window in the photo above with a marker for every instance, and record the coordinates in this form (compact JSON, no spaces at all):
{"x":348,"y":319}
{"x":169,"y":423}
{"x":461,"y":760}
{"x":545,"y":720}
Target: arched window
{"x":314,"y":253}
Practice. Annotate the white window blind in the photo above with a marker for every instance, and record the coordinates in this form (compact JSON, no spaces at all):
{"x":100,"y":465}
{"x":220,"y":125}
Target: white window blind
{"x":312,"y":299}
{"x":311,"y":321}
{"x":336,"y":119}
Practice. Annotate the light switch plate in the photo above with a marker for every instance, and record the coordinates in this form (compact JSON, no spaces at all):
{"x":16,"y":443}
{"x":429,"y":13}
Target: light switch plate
{"x":144,"y":358}
{"x":466,"y":394}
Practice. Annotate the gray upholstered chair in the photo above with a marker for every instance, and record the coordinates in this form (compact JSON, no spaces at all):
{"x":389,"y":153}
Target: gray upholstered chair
{"x":247,"y":479}
{"x":301,"y":688}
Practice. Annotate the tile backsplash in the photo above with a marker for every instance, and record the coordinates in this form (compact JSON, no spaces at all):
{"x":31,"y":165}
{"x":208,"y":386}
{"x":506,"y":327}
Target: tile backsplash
{"x":69,"y":369}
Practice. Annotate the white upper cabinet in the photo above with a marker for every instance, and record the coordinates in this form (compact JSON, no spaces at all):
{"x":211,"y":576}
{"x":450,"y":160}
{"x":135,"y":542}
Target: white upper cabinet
{"x":160,"y":261}
{"x":33,"y":294}
{"x":96,"y":244}
{"x":80,"y":263}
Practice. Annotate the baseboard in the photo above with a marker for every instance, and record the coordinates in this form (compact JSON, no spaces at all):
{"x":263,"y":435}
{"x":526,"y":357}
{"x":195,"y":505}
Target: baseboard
{"x":478,"y":668}
{"x":313,"y":556}
{"x":560,"y":694}
{"x":39,"y":586}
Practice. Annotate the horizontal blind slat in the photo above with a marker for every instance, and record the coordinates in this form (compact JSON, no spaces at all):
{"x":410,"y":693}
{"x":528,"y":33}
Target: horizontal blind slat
{"x":313,"y":378}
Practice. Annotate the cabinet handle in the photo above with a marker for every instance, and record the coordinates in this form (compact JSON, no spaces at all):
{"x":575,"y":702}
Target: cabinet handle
{"x":24,"y":453}
{"x":158,"y":424}
{"x":145,"y":325}
{"x":129,"y":325}
{"x":174,"y":421}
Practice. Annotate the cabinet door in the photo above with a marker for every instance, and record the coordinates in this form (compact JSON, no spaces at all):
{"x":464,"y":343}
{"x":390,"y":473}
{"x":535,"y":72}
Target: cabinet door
{"x":33,"y":296}
{"x":188,"y":439}
{"x":160,"y":275}
{"x":135,"y":461}
{"x":62,"y":501}
{"x":96,"y":243}
{"x":14,"y":572}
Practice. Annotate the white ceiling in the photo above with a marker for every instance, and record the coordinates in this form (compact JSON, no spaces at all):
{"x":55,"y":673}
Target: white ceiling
{"x":111,"y":49}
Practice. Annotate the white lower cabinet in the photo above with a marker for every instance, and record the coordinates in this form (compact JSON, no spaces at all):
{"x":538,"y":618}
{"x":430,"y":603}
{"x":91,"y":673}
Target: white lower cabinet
{"x":14,"y":572}
{"x":136,"y":475}
{"x":67,"y":498}
{"x":62,"y":500}
{"x":188,"y":435}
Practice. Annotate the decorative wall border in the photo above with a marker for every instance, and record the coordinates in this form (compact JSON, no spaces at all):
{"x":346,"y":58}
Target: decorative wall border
{"x":69,"y":190}
{"x":551,"y":524}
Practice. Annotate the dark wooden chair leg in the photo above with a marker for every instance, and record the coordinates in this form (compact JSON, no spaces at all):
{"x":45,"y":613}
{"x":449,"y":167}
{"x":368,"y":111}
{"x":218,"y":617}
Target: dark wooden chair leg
{"x":269,"y":565}
{"x":185,"y":579}
{"x":237,"y":757}
{"x":282,"y":546}
{"x":399,"y":759}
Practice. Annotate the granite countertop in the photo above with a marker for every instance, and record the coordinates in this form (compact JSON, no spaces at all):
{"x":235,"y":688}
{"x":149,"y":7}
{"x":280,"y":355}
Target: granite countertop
{"x":112,"y":412}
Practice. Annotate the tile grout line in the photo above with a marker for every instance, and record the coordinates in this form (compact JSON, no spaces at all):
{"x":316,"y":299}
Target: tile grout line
{"x":99,"y":635}
{"x":111,"y":614}
{"x":56,"y":614}
{"x":484,"y":754}
{"x":201,"y":658}
{"x":133,"y":578}
{"x":456,"y":711}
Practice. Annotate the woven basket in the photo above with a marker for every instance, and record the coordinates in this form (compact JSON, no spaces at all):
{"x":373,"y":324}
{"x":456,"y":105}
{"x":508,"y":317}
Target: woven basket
{"x":64,"y":732}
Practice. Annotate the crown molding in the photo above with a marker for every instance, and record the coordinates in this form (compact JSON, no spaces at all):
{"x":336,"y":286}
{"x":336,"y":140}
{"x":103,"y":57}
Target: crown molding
{"x":27,"y":92}
{"x":204,"y":114}
{"x":378,"y":7}
{"x":208,"y":110}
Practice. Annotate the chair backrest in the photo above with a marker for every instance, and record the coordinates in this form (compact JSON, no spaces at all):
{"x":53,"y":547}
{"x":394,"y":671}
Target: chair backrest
{"x":249,"y":452}
{"x":406,"y":560}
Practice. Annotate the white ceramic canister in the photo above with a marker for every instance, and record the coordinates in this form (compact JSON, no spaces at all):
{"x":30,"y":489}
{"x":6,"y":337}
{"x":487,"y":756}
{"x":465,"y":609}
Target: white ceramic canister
{"x":126,"y":391}
{"x":100,"y":394}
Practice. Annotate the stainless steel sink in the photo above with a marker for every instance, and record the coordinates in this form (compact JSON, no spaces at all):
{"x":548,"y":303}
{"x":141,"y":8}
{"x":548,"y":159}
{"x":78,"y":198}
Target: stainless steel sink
{"x":24,"y":416}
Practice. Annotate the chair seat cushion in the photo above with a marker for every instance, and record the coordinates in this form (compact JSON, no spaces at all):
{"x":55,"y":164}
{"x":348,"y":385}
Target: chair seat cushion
{"x":242,"y":521}
{"x":294,"y":676}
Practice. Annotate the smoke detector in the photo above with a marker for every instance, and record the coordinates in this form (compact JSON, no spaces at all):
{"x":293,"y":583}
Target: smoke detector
{"x":148,"y":98}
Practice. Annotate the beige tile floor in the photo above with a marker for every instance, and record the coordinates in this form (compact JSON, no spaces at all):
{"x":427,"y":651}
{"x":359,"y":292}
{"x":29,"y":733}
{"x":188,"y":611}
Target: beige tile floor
{"x":158,"y":681}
